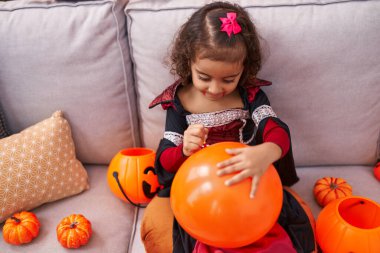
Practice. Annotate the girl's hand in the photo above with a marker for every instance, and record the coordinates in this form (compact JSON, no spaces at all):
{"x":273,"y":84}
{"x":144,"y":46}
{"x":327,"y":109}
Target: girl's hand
{"x":249,"y":162}
{"x":193,"y":138}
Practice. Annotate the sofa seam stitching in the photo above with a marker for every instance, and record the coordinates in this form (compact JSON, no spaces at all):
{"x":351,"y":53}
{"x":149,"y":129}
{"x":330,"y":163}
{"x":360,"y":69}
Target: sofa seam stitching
{"x":125,"y":81}
{"x":252,"y":6}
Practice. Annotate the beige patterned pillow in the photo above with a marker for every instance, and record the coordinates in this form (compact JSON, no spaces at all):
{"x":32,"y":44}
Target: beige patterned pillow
{"x":38,"y":165}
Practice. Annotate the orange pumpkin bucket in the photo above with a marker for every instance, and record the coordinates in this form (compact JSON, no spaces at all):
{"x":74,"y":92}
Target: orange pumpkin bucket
{"x":131,"y":176}
{"x":219,"y":215}
{"x":350,"y":224}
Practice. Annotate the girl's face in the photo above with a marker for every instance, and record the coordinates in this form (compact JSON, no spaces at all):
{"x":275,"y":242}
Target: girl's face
{"x":215,"y":79}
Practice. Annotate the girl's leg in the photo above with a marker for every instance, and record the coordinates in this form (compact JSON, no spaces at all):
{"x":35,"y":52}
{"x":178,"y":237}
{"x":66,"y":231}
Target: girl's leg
{"x":296,"y":217}
{"x":157,"y":226}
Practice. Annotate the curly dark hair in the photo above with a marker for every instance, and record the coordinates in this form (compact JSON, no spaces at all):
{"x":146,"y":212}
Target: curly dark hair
{"x":201,"y":37}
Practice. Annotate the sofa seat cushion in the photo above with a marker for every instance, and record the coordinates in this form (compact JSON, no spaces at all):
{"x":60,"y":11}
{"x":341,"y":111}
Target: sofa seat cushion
{"x":112,"y":219}
{"x":137,"y":245}
{"x":361,"y":179}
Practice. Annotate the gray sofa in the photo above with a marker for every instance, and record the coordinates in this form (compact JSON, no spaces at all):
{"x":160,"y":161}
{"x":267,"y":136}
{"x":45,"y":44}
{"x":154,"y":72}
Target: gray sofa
{"x":102,"y":62}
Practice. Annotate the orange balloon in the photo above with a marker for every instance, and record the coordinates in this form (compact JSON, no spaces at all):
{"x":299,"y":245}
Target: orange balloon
{"x":350,"y":224}
{"x":218,"y":215}
{"x":131,"y":176}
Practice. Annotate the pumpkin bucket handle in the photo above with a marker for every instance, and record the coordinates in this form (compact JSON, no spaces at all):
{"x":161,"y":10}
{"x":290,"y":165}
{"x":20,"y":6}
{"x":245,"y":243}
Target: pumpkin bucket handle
{"x":115,"y":174}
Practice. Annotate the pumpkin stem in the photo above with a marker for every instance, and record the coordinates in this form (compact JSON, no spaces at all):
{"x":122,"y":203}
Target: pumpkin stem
{"x":16,"y":219}
{"x":74,"y":224}
{"x":333,"y":186}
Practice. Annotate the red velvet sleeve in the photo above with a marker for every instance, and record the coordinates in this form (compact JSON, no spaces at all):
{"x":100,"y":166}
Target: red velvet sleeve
{"x":274,"y":133}
{"x":172,"y":158}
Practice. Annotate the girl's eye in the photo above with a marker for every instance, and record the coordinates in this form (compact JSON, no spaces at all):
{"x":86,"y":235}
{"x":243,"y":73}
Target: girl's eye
{"x":206,"y":79}
{"x":203,"y":78}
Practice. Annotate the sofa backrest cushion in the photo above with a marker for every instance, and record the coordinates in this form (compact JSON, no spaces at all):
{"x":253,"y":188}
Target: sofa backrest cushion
{"x":71,"y":57}
{"x":323,"y":58}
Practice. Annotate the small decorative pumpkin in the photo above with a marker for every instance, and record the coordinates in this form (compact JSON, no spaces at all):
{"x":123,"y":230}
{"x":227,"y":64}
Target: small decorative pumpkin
{"x":21,"y":228}
{"x":376,"y":171}
{"x":349,"y":224}
{"x":131,"y":175}
{"x":330,"y":188}
{"x":74,"y":231}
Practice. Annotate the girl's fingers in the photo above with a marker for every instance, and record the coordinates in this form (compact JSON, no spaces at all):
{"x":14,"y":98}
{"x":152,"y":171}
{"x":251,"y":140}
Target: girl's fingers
{"x":198,"y":130}
{"x":196,"y":140}
{"x":254,"y":184}
{"x":228,"y":170}
{"x":231,"y":161}
{"x":193,"y":146}
{"x":237,"y":178}
{"x":234,"y":151}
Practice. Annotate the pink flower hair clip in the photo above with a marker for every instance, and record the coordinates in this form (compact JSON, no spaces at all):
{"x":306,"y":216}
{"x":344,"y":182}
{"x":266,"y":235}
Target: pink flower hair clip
{"x":229,"y":24}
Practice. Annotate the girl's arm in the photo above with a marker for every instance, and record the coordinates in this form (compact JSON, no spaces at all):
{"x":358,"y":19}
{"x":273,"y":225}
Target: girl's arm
{"x":172,"y":158}
{"x":165,"y":164}
{"x":254,"y":160}
{"x":275,"y":134}
{"x":273,"y":143}
{"x":193,"y":139}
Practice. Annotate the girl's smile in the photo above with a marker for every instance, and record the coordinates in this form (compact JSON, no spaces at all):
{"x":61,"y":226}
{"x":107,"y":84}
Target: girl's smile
{"x":213,"y":96}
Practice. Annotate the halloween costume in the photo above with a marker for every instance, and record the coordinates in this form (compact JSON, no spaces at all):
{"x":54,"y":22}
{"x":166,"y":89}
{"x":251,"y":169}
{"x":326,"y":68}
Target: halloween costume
{"x":245,"y":125}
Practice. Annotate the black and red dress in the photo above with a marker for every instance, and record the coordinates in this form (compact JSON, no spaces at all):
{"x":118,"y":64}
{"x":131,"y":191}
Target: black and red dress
{"x":253,"y":124}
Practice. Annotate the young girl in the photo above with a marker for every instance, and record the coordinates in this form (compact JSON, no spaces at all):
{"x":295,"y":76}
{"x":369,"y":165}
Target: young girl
{"x":217,"y":97}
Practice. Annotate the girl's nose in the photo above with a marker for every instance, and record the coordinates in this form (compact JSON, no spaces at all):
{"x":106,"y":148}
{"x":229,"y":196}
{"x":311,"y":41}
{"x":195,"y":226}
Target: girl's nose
{"x":214,"y":88}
